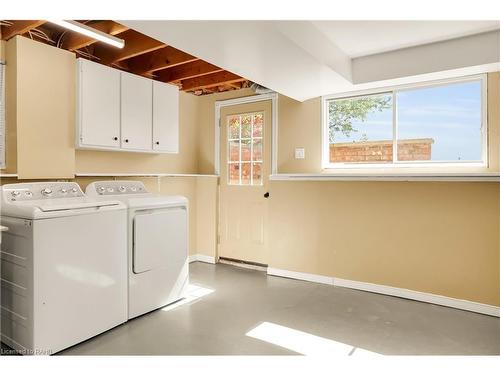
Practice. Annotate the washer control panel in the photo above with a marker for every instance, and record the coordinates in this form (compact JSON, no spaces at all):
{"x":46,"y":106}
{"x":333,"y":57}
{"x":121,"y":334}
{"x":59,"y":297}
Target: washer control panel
{"x":41,"y":190}
{"x":116,"y":188}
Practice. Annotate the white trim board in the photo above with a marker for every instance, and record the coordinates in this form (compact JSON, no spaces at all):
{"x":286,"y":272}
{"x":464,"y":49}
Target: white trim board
{"x":202,"y":258}
{"x":300,"y":276}
{"x":98,"y":174}
{"x":460,"y":304}
{"x":434,"y":177}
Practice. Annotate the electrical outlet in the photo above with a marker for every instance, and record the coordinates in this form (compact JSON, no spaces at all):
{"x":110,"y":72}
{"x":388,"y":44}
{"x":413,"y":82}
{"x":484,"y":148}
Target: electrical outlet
{"x":300,"y":153}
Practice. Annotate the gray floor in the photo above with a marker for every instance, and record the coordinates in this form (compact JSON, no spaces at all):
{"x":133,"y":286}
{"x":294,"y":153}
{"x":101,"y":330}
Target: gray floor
{"x":217,"y":323}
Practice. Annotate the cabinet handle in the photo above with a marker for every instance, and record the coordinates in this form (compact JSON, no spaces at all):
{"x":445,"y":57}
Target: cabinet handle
{"x":126,"y":140}
{"x":157,"y":142}
{"x":115,"y":138}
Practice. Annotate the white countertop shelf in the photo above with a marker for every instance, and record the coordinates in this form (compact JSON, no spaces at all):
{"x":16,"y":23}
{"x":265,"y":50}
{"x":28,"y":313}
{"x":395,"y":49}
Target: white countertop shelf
{"x":438,"y":177}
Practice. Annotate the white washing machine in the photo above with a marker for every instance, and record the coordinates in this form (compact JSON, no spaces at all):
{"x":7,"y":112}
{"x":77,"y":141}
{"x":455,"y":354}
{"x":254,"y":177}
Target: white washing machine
{"x":158,"y":268}
{"x":63,"y":267}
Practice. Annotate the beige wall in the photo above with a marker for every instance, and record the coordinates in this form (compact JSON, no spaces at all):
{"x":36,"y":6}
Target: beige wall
{"x":41,"y":109}
{"x":45,"y":111}
{"x":440,"y":238}
{"x":40,"y":102}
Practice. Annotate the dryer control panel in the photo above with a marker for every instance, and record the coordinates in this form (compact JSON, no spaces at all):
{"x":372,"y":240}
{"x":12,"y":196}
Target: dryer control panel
{"x":116,"y":188}
{"x":41,"y":190}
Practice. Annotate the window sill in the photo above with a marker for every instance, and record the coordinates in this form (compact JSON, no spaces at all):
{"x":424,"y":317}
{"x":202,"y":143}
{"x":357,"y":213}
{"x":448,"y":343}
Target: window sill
{"x":450,"y":177}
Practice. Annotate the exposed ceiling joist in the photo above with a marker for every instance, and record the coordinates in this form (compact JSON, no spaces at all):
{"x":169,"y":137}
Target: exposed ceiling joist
{"x":141,"y":55}
{"x":165,"y":57}
{"x":185,"y":71}
{"x":74,"y":41}
{"x":20,"y":27}
{"x":210,"y":80}
{"x":135,"y":44}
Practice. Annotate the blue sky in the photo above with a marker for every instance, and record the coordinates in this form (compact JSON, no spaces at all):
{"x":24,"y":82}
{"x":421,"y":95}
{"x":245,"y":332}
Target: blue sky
{"x":451,"y":115}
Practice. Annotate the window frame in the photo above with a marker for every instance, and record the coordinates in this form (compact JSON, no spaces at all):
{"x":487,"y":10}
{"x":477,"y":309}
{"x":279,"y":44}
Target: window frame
{"x":325,"y":145}
{"x":240,"y":162}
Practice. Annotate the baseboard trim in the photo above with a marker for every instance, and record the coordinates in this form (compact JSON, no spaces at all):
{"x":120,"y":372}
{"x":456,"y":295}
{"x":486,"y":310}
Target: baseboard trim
{"x":420,"y":296}
{"x":460,"y":304}
{"x":300,"y":276}
{"x":202,"y":258}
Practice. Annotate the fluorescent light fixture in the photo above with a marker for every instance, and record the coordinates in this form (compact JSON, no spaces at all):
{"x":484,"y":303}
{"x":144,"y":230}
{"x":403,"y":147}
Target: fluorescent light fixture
{"x":90,"y":32}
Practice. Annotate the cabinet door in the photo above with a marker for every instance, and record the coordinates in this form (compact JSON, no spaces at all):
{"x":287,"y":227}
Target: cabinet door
{"x":165,"y":117}
{"x":160,"y":240}
{"x":137,"y":112}
{"x":98,"y":105}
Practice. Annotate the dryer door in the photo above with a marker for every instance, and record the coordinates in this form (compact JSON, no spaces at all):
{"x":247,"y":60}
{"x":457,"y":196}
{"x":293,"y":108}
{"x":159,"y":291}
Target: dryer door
{"x":160,"y":238}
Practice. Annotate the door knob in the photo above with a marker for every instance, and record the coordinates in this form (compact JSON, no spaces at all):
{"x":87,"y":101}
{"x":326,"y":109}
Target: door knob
{"x":266,"y":195}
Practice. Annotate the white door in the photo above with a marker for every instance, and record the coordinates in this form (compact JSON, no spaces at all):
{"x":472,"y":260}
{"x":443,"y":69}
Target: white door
{"x":245,"y":167}
{"x":98,"y":105}
{"x":136,"y":112}
{"x":165,"y":117}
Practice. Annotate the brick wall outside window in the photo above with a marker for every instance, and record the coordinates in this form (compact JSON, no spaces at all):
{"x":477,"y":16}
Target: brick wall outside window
{"x":381,"y":151}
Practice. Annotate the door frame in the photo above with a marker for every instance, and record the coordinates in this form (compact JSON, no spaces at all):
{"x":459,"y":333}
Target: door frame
{"x":243,"y":100}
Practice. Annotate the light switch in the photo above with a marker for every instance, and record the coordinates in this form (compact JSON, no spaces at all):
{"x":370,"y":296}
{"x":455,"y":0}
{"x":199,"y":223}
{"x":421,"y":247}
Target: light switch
{"x":300,"y":153}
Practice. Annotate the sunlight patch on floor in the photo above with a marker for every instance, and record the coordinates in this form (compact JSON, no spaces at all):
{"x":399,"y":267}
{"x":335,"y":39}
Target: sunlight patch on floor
{"x":303,"y":342}
{"x":194,"y":292}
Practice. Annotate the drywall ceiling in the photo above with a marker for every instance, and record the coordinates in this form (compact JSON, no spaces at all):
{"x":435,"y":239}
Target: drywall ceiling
{"x":306,"y":59}
{"x":361,"y":38}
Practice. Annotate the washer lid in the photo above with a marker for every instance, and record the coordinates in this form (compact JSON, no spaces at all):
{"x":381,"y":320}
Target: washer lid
{"x":49,"y":208}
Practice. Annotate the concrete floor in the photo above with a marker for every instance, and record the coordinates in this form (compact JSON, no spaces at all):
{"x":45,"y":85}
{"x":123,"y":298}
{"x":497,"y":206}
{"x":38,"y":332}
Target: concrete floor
{"x":306,"y":317}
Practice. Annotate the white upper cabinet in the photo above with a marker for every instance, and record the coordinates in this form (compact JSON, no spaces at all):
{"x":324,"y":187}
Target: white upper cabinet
{"x":137,"y":112}
{"x":125,"y":112}
{"x":165,"y":117}
{"x":98,"y":105}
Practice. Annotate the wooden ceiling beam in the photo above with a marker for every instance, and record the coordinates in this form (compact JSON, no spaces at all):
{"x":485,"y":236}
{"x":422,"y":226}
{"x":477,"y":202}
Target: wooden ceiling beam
{"x":210,"y":80}
{"x":20,"y":27}
{"x":185,"y":71}
{"x":163,"y":58}
{"x":135,"y":44}
{"x":73,"y":41}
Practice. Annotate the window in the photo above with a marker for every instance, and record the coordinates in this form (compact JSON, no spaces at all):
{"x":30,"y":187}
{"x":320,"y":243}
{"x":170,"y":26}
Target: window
{"x":244,"y":148}
{"x":432,"y":124}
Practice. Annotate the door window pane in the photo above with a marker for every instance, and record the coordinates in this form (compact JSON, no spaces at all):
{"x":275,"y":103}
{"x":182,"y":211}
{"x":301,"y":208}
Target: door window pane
{"x":234,"y":173}
{"x":234,"y":150}
{"x":258,"y":121}
{"x":246,"y":173}
{"x":440,"y":123}
{"x":257,"y":150}
{"x":245,"y":148}
{"x":246,"y":126}
{"x":234,"y":127}
{"x":360,"y":129}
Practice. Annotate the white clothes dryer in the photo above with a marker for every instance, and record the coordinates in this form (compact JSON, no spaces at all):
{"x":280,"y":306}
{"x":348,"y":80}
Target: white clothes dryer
{"x":158,"y":265}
